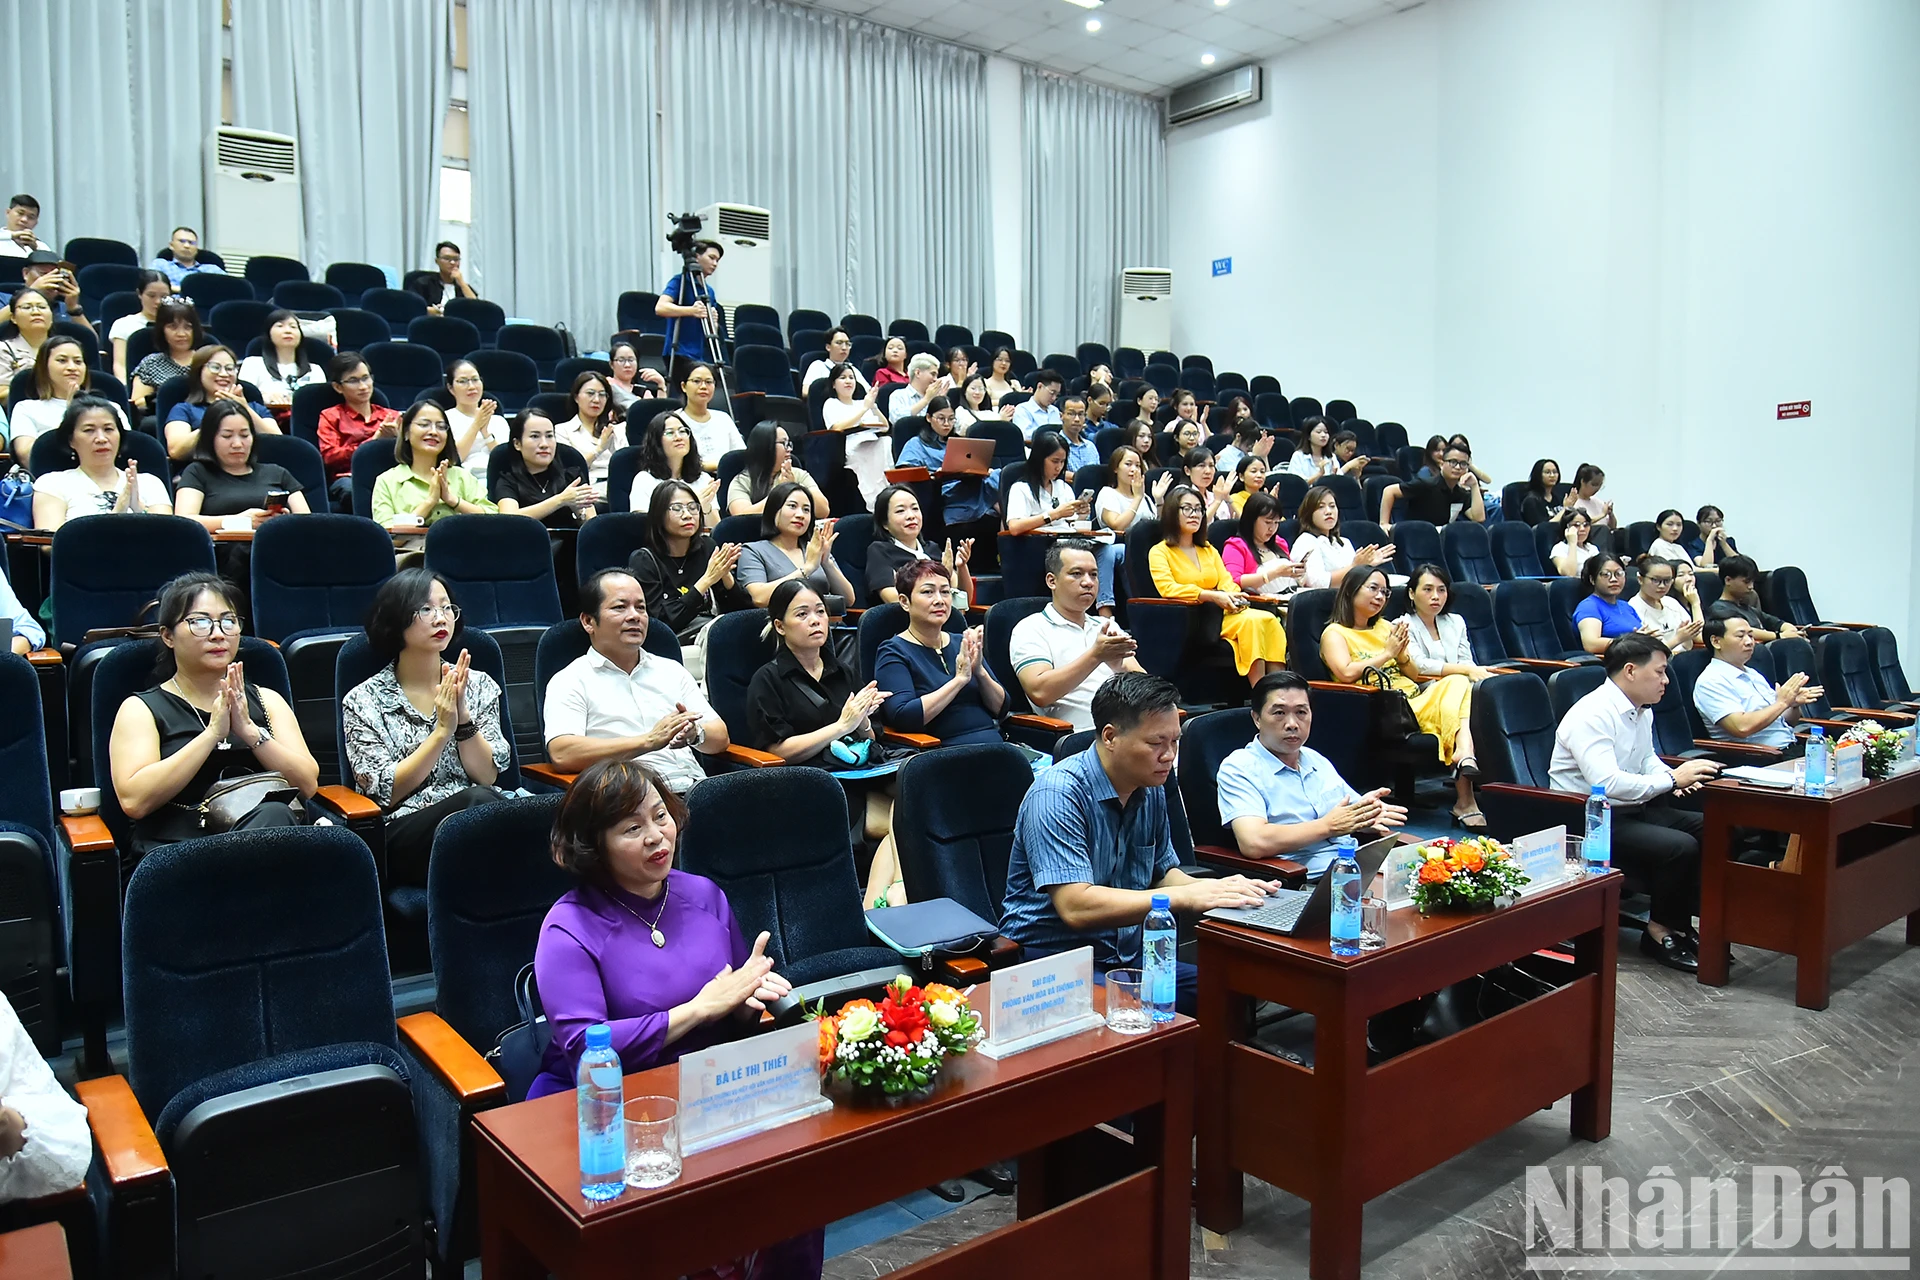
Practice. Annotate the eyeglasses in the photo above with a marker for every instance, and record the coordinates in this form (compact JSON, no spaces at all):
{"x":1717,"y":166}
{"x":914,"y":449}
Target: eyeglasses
{"x":1658,"y":582}
{"x":364,"y":380}
{"x":683,"y":509}
{"x":199,"y":624}
{"x":466,"y":382}
{"x":1187,"y":509}
{"x":1613,"y":573}
{"x":428,"y":612}
{"x":1453,"y":464}
{"x":699,"y":382}
{"x":223,"y":368}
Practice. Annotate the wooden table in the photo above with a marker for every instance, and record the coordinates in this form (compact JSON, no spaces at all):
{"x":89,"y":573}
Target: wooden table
{"x":1343,"y":1132}
{"x":35,"y":1253}
{"x":751,"y":1193}
{"x":1859,"y":872}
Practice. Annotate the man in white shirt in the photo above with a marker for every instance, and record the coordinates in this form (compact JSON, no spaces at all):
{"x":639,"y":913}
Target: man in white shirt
{"x":23,"y":215}
{"x":1606,"y":740}
{"x":1064,"y":653}
{"x":1039,"y":411}
{"x":1737,"y":702}
{"x":45,"y":1145}
{"x":1281,"y":798}
{"x":924,"y":382}
{"x":617,"y":701}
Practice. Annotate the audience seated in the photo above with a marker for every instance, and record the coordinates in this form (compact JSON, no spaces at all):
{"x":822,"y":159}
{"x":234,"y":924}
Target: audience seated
{"x":839,"y":352}
{"x":1587,"y":482}
{"x":1257,"y":558}
{"x":1606,"y":740}
{"x":793,"y":544}
{"x":1711,"y":545}
{"x":1039,"y":412}
{"x":1281,"y":798}
{"x":1666,"y":545}
{"x":1127,"y":499}
{"x":936,"y":682}
{"x":224,"y":478}
{"x":1073,"y":428}
{"x":346,"y":426}
{"x":1146,"y":410}
{"x":897,"y":525}
{"x":536,"y":481}
{"x":1041,"y":501}
{"x":924,"y":381}
{"x":60,"y":373}
{"x":1575,"y":548}
{"x":477,"y":424}
{"x":596,"y":429}
{"x":960,"y":367}
{"x":864,"y":426}
{"x":629,"y":381}
{"x":1322,"y":552}
{"x":689,"y":580}
{"x":714,"y":430}
{"x":202,"y":723}
{"x":97,"y":480}
{"x":1249,"y":440}
{"x":893,"y":364}
{"x":1740,"y":598}
{"x":669,"y":451}
{"x":282,"y":366}
{"x":769,"y":463}
{"x":213,"y":377}
{"x":1199,"y":471}
{"x":1185,"y":567}
{"x":617,"y":701}
{"x":46,"y":274}
{"x":422,"y":737}
{"x":1249,"y":476}
{"x":1094,"y":843}
{"x":155,"y":289}
{"x":1602,"y":616}
{"x":447,"y":281}
{"x":45,"y":1145}
{"x":182,"y":258}
{"x":32,"y":316}
{"x":19,"y":239}
{"x":426,"y":484}
{"x":1000,"y":379}
{"x":1739,"y":704}
{"x":1437,"y":639}
{"x":966,"y":504}
{"x":804,"y":708}
{"x":1064,"y":653}
{"x":1359,"y":642}
{"x":28,"y":634}
{"x":1313,"y":461}
{"x":176,"y":336}
{"x":1540,"y":506}
{"x":1454,"y":494}
{"x":1677,"y":621}
{"x":1180,"y":437}
{"x":974,"y":404}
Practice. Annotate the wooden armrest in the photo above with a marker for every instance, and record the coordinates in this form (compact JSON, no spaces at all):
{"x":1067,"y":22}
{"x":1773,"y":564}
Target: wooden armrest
{"x":1334,"y":686}
{"x":1542,"y":664}
{"x":1153,"y":600}
{"x":348,"y":803}
{"x":128,"y":1149}
{"x":750,"y":756}
{"x":470,"y":1077}
{"x":1272,"y":868}
{"x":1046,"y":724}
{"x":1839,"y":726}
{"x":899,"y":738}
{"x":1868,"y":713}
{"x":547,"y":773}
{"x":1569,"y":798}
{"x":908,"y":475}
{"x":1737,"y":748}
{"x":45,"y":658}
{"x":87,"y":834}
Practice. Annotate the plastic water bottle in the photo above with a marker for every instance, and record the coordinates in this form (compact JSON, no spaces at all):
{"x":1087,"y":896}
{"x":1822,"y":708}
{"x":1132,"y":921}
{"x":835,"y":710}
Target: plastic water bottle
{"x":1159,"y":950}
{"x":1817,"y":757}
{"x":1597,"y":848}
{"x":1344,"y":880}
{"x":603,"y":1138}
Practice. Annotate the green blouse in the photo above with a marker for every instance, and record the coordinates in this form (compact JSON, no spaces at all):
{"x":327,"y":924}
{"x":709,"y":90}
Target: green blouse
{"x":399,"y":492}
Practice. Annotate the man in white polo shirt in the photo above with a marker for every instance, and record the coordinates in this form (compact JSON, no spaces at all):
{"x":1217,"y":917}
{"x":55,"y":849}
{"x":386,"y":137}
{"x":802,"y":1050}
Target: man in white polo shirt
{"x":619,"y":701}
{"x":1737,"y":702}
{"x":1064,"y":653}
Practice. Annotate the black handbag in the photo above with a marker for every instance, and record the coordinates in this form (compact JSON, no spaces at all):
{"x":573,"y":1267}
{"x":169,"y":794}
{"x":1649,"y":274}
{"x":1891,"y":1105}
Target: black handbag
{"x":522,"y":1047}
{"x":1390,"y":718}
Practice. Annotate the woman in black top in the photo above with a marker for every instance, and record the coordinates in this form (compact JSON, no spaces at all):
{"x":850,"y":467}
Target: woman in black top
{"x":1542,"y":502}
{"x":536,"y":482}
{"x":688,"y":578}
{"x":225,"y":480}
{"x":897,"y":542}
{"x":804,"y":703}
{"x":201,"y":723}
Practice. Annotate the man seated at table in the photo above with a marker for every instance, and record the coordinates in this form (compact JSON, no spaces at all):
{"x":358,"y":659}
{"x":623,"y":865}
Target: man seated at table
{"x":1284,"y":799}
{"x":1093,"y":842}
{"x":618,"y":701}
{"x":1740,"y":598}
{"x":1606,"y":740}
{"x":1737,"y":702}
{"x":1064,"y":653}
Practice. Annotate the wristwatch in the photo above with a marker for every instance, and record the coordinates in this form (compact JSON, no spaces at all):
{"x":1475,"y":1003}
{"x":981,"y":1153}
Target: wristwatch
{"x":262,"y":740}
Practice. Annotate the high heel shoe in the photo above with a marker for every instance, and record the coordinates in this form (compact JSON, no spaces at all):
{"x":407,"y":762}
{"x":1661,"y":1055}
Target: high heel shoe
{"x":1473,"y":820}
{"x":1466,"y":767}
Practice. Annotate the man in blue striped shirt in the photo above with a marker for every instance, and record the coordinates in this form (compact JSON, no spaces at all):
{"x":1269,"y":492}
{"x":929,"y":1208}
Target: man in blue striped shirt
{"x":1093,"y":842}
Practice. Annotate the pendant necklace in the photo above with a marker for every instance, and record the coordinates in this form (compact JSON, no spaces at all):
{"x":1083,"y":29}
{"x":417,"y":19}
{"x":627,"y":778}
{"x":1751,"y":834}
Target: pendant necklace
{"x":659,"y":938}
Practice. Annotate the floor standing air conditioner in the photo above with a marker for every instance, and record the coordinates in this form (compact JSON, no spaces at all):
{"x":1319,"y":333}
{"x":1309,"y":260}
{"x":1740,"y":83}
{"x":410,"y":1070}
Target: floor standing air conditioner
{"x":746,"y":269}
{"x":253,"y":196}
{"x":1146,"y":308}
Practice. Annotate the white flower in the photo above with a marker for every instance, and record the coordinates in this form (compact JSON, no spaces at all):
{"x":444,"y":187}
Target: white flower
{"x":942,"y":1013}
{"x":857,"y":1024}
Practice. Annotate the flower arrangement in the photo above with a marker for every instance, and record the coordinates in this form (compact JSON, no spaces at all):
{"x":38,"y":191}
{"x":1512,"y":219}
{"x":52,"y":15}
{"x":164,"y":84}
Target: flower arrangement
{"x":896,"y":1047}
{"x":1473,"y":874}
{"x":1880,"y":746}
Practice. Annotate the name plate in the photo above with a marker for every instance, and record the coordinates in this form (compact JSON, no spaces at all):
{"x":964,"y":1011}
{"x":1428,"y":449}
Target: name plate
{"x":1903,"y":759}
{"x":1849,"y":767}
{"x":1543,"y":856}
{"x":1039,"y":1002}
{"x":750,"y":1086}
{"x":1397,"y":875}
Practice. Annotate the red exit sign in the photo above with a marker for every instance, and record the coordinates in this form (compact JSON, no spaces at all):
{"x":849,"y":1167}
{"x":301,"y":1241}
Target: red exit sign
{"x":1794,"y":409}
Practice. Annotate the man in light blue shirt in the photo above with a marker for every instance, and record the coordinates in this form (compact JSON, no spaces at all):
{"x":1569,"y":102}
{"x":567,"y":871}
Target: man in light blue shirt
{"x":1737,"y":702}
{"x":1282,"y":798}
{"x":1040,"y":411}
{"x":1073,"y":425}
{"x":186,"y":257}
{"x":28,"y":634}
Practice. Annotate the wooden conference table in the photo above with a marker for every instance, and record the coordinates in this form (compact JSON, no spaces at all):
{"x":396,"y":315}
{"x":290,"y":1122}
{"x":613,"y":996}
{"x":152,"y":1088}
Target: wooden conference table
{"x":1342,"y":1132}
{"x":35,"y":1253}
{"x":1859,"y":872}
{"x":765,"y":1188}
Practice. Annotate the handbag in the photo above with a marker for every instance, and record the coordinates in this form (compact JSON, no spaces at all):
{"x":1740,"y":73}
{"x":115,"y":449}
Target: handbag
{"x":231,"y":799}
{"x":519,"y":1050}
{"x":937,"y":928}
{"x":1390,"y":718}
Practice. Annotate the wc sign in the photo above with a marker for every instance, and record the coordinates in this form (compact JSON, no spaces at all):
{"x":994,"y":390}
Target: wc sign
{"x":1793,"y":409}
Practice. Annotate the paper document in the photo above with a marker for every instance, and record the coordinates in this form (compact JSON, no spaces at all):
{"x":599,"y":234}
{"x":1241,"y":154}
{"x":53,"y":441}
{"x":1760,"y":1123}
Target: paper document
{"x":1771,"y":776}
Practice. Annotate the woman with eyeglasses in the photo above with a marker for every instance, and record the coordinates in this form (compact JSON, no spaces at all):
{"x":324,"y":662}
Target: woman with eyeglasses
{"x":475,"y":419}
{"x":1575,"y":549}
{"x":839,"y":352}
{"x":713,"y":430}
{"x":669,"y":451}
{"x":1603,"y":616}
{"x":769,"y":463}
{"x":426,"y":482}
{"x":203,"y":722}
{"x":629,"y":381}
{"x":688,"y":577}
{"x":596,"y":428}
{"x":1668,"y":602}
{"x":422,"y":736}
{"x":1185,"y":567}
{"x":213,"y":377}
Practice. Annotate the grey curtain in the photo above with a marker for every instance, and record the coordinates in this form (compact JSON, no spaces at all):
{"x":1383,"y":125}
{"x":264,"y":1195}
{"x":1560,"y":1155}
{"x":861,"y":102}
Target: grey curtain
{"x":561,"y":102}
{"x":1096,"y":163}
{"x":127,"y":92}
{"x":363,"y":85}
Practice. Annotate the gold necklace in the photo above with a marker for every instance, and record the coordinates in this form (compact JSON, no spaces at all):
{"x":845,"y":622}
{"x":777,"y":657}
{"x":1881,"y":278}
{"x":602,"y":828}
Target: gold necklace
{"x":659,"y":938}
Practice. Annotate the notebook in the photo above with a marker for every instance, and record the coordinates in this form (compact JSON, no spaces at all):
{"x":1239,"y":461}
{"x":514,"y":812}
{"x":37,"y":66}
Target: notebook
{"x":1301,"y":913}
{"x":967,"y":456}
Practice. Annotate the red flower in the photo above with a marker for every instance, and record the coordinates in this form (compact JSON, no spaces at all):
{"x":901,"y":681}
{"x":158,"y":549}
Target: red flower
{"x":906,"y":1020}
{"x":896,"y":1039}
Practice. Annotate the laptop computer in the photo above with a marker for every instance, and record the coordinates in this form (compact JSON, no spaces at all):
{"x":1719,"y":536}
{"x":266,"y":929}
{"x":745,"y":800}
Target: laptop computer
{"x":967,"y":456}
{"x":1303,"y":913}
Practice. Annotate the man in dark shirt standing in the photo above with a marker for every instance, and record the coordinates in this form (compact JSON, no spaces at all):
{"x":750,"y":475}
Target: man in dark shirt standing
{"x":1452,"y":495}
{"x":1740,"y":599}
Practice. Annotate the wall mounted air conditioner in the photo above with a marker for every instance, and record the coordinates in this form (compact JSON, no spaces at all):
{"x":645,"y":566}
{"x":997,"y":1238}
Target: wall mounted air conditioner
{"x":746,"y":270}
{"x":1146,"y":308}
{"x":253,"y":196}
{"x":1224,"y":92}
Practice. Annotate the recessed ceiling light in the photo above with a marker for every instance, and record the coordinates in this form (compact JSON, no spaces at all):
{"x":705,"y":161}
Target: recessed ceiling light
{"x":1220,"y":4}
{"x":1087,"y":4}
{"x":1206,"y":59}
{"x":1093,"y":24}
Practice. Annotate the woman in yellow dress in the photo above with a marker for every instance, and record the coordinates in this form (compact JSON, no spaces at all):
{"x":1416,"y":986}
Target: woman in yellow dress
{"x":1358,"y":638}
{"x":1186,"y":568}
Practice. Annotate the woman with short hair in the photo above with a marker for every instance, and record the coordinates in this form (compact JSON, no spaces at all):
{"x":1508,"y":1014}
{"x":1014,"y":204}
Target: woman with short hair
{"x":98,"y":479}
{"x":1603,"y":617}
{"x":226,"y":478}
{"x":897,"y":542}
{"x":1575,"y":548}
{"x":1257,"y":558}
{"x":839,"y":352}
{"x":669,"y":451}
{"x":937,"y":682}
{"x":426,"y":484}
{"x":213,"y":377}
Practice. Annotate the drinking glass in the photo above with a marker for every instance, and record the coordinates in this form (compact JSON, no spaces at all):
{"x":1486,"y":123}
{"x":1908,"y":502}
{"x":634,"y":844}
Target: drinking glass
{"x":1576,"y":860}
{"x":653,"y":1141}
{"x":1125,"y":1011}
{"x":1373,"y":922}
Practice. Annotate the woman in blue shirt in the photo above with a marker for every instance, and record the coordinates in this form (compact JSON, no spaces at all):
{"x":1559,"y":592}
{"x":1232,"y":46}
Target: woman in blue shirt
{"x":937,"y":683}
{"x":1604,"y":615}
{"x":213,"y":376}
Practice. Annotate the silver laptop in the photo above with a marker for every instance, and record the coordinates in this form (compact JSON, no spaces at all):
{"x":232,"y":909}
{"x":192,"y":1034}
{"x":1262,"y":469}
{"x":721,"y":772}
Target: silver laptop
{"x":1303,"y":913}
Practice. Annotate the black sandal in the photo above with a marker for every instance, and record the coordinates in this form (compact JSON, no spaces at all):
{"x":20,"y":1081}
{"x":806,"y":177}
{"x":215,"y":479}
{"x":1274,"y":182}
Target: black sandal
{"x":1467,"y":820}
{"x":1467,"y":767}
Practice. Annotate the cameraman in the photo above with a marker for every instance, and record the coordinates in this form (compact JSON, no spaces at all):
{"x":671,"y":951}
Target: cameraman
{"x":685,"y":308}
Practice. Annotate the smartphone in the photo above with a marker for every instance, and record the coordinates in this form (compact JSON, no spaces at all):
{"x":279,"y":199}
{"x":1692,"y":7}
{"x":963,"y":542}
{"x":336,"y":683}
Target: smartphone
{"x":277,"y":501}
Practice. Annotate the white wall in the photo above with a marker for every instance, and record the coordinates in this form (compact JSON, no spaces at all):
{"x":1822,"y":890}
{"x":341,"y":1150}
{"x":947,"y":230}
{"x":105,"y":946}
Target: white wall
{"x":1616,"y":231}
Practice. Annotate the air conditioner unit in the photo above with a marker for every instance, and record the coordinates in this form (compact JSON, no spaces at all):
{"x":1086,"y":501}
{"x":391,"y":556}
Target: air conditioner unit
{"x":1213,"y":95}
{"x":746,"y":271}
{"x":253,"y":196}
{"x":1146,"y":308}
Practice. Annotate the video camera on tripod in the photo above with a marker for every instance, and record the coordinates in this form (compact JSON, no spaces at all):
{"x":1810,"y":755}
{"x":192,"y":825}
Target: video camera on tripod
{"x":685,"y":240}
